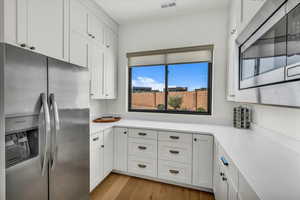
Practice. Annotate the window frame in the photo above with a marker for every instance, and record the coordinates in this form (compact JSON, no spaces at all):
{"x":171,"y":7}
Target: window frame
{"x":209,"y":90}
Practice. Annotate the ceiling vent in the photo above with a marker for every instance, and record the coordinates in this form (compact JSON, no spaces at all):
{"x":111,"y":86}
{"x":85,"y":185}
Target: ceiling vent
{"x":168,"y":4}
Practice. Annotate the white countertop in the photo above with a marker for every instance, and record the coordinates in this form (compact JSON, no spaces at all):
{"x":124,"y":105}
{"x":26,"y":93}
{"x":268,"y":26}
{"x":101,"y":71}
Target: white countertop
{"x":271,"y":168}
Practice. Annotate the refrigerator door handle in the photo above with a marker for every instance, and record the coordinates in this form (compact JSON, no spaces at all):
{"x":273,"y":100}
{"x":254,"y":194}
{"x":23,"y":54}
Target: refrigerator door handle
{"x":54,"y":152}
{"x":47,"y":132}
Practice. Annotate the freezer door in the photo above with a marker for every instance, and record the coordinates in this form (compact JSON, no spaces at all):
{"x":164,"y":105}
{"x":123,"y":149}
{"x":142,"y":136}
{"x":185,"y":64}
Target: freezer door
{"x":25,"y":123}
{"x":25,"y":79}
{"x":69,"y":168}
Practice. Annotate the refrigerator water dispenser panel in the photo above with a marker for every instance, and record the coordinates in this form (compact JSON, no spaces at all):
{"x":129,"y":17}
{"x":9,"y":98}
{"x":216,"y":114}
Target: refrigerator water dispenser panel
{"x":21,"y":140}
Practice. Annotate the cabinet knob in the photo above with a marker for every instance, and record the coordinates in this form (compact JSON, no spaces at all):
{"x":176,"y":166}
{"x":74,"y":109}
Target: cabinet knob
{"x":93,"y":37}
{"x":195,"y":139}
{"x":222,"y":174}
{"x":107,"y":45}
{"x":224,"y":179}
{"x":23,"y":45}
{"x":102,"y":146}
{"x":32,"y":48}
{"x":125,"y":132}
{"x":172,"y":171}
{"x":142,"y":166}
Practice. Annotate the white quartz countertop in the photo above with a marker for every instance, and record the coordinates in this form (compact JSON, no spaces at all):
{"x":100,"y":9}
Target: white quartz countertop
{"x":271,"y":168}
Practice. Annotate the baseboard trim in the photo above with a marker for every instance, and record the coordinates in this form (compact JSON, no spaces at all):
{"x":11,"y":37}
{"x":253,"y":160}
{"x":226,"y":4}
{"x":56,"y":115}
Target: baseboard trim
{"x":210,"y":190}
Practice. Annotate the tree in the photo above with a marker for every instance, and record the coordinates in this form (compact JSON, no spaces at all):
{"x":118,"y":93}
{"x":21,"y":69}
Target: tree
{"x":175,"y":102}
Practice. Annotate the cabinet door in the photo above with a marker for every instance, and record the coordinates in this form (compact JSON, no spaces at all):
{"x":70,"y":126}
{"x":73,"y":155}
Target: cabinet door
{"x":78,"y":17}
{"x":203,"y":160}
{"x":96,"y":160}
{"x":221,"y":190}
{"x":108,"y":151}
{"x":95,"y":29}
{"x":78,"y":49}
{"x":46,"y":27}
{"x":110,"y":70}
{"x":22,"y":7}
{"x":120,"y":149}
{"x":96,"y":57}
{"x":232,"y":192}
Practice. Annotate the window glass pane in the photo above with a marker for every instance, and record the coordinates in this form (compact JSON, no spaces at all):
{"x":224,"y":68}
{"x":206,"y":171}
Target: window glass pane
{"x":148,"y":87}
{"x":188,"y":87}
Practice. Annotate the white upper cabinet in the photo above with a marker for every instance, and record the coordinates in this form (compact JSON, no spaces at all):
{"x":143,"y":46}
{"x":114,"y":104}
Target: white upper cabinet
{"x":78,"y":17}
{"x":78,"y":34}
{"x":45,"y":27}
{"x":96,"y":65}
{"x":36,"y":25}
{"x":110,"y":64}
{"x":95,"y":29}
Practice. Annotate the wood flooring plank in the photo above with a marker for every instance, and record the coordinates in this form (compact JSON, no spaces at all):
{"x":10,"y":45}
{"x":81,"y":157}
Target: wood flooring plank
{"x":121,"y":187}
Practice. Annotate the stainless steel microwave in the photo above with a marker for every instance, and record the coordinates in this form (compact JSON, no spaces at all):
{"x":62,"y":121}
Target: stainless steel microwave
{"x":271,"y":55}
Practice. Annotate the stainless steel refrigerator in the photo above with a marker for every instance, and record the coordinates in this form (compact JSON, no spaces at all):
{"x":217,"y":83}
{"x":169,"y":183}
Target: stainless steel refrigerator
{"x":46,"y":106}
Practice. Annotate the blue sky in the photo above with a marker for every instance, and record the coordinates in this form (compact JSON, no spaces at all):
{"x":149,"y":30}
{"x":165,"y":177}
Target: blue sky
{"x":193,"y":76}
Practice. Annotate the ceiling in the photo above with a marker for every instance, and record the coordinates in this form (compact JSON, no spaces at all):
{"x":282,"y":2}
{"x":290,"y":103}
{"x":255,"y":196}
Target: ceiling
{"x":125,"y":11}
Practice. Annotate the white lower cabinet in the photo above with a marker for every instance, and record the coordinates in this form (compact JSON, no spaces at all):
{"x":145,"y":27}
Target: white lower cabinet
{"x":108,"y":163}
{"x":96,"y":159}
{"x":120,"y":149}
{"x":173,"y":171}
{"x":142,"y":166}
{"x":202,"y":160}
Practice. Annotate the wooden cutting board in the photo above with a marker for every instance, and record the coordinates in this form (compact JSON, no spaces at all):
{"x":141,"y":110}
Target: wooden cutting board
{"x":107,"y":119}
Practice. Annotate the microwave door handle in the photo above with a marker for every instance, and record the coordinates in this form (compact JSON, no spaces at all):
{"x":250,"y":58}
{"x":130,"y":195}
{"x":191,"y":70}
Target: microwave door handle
{"x":56,"y":129}
{"x":47,"y":132}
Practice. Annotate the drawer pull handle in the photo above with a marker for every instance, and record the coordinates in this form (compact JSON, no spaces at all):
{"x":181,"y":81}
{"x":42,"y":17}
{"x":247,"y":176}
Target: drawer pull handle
{"x":142,"y":147}
{"x":174,"y":137}
{"x":95,"y":139}
{"x":224,"y":161}
{"x":172,"y":171}
{"x":142,"y":166}
{"x":174,"y":152}
{"x":142,"y":134}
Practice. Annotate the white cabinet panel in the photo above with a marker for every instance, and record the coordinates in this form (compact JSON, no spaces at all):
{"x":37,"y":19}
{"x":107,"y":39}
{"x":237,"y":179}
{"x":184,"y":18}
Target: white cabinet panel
{"x":45,"y":27}
{"x":175,"y":152}
{"x":96,"y":160}
{"x":173,"y":171}
{"x":142,"y":166}
{"x":96,"y":64}
{"x":108,"y":161}
{"x":95,"y":29}
{"x":78,"y":49}
{"x":143,"y":134}
{"x":110,"y":62}
{"x":78,"y":17}
{"x":120,"y":149}
{"x":245,"y":191}
{"x":203,"y":160}
{"x":175,"y":137}
{"x":143,"y":148}
{"x":22,"y":7}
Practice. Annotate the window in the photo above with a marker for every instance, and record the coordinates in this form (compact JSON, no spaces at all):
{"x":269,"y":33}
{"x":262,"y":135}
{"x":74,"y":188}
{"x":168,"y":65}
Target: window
{"x":171,"y":81}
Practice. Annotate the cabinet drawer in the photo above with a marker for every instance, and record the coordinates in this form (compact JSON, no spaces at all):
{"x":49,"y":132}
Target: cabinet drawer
{"x":175,"y":152}
{"x":142,"y":166}
{"x":143,"y":133}
{"x":175,"y":137}
{"x":142,"y":147}
{"x":96,"y":140}
{"x":229,"y":168}
{"x":173,"y":171}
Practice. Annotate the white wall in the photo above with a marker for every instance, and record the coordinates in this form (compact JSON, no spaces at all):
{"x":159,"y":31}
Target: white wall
{"x":282,"y":120}
{"x":207,"y":27}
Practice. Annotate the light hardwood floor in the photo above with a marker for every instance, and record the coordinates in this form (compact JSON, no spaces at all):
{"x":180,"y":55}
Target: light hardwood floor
{"x":120,"y":187}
